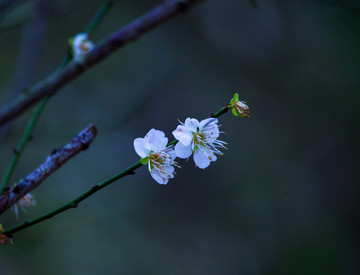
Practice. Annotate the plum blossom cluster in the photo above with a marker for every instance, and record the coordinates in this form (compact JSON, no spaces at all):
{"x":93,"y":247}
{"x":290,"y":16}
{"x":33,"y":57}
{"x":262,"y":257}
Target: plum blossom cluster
{"x":193,"y":137}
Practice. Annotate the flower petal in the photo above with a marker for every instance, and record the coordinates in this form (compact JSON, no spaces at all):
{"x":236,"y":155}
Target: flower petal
{"x":141,"y":147}
{"x":192,"y":124}
{"x":168,"y":171}
{"x":201,"y":159}
{"x":158,"y":177}
{"x":211,"y":134}
{"x":170,"y":152}
{"x":183,"y":134}
{"x":183,"y":151}
{"x":210,"y":129}
{"x":209,"y":122}
{"x":210,"y":154}
{"x":156,"y":140}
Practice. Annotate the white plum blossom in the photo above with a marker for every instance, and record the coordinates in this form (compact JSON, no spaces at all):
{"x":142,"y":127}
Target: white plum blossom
{"x":81,"y":45}
{"x":160,"y":159}
{"x":199,"y":138}
{"x":25,"y":202}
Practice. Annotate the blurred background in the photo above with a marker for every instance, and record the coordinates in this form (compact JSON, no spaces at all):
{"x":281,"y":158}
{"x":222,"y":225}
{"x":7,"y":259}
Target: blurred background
{"x":283,"y":199}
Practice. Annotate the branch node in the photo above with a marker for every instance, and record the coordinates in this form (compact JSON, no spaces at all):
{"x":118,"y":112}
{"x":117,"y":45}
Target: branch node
{"x":84,"y":146}
{"x":16,"y":189}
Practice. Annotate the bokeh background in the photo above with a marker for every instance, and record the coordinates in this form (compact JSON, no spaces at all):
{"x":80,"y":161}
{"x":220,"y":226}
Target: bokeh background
{"x":283,"y":199}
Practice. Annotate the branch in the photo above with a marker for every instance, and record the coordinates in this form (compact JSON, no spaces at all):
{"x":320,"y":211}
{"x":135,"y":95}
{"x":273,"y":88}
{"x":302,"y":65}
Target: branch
{"x":95,"y":188}
{"x":129,"y":33}
{"x":94,"y":22}
{"x":56,"y":159}
{"x":24,"y":140}
{"x":74,"y":203}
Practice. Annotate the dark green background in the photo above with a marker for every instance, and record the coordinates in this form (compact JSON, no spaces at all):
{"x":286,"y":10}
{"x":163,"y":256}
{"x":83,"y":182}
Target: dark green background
{"x":284,"y":198}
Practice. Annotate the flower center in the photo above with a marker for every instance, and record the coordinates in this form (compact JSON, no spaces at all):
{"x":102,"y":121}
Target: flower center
{"x":156,"y":160}
{"x":198,"y":140}
{"x":161,"y":164}
{"x":84,"y":47}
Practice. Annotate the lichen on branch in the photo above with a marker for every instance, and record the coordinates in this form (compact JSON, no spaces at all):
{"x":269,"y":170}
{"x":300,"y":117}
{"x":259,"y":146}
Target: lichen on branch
{"x":56,"y":159}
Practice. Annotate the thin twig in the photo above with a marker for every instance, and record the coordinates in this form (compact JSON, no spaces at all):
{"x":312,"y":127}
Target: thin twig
{"x":98,"y":17}
{"x":129,"y":33}
{"x":56,"y":159}
{"x":74,"y":203}
{"x":94,"y":22}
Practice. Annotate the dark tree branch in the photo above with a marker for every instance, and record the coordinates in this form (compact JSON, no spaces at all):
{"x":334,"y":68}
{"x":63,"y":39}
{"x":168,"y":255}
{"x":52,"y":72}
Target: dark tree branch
{"x":56,"y":159}
{"x":129,"y":33}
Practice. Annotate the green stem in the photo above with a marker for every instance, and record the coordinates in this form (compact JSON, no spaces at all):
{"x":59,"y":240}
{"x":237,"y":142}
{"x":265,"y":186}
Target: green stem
{"x":74,"y":203}
{"x":222,"y":111}
{"x":24,"y":140}
{"x":94,"y":22}
{"x":98,"y":17}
